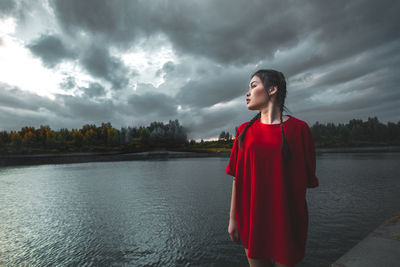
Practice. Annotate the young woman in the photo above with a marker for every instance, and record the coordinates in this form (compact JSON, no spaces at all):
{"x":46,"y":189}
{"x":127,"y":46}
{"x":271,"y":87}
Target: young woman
{"x":273,"y":163}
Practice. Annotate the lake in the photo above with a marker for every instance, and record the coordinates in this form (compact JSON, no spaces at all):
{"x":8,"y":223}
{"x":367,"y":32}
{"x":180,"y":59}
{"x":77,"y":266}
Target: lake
{"x":175,"y":212}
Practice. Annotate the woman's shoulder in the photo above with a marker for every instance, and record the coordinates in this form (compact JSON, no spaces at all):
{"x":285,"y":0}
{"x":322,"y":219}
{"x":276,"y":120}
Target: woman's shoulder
{"x":242,"y":126}
{"x":299,"y":122}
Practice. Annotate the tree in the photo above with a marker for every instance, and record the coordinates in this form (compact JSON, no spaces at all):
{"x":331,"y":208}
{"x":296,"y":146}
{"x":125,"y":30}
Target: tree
{"x":222,"y":136}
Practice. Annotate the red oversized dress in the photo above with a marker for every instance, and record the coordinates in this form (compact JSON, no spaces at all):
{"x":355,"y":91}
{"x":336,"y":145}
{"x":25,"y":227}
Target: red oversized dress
{"x":270,"y":201}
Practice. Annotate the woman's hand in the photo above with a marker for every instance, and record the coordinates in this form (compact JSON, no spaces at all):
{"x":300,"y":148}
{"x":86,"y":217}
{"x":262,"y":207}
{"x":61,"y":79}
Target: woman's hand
{"x":233,"y":231}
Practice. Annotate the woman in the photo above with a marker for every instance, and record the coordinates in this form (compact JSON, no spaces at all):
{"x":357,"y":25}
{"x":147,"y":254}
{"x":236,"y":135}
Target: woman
{"x":273,"y":163}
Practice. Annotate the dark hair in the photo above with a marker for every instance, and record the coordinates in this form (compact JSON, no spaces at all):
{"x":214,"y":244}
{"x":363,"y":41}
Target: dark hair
{"x":270,"y":78}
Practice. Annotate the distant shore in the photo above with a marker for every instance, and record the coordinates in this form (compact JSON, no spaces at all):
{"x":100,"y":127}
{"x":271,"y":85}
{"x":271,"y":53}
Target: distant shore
{"x":76,"y":157}
{"x":358,"y":149}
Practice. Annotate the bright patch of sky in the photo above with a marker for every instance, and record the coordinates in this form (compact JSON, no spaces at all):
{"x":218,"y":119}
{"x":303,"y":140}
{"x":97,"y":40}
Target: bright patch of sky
{"x":147,"y":60}
{"x":19,"y":68}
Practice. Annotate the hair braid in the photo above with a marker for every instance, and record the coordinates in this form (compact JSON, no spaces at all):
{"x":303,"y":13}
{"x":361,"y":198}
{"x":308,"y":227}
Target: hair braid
{"x":243,"y":133}
{"x":286,"y":154}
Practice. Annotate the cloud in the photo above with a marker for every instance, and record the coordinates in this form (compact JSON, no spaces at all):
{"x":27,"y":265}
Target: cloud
{"x":117,"y":21}
{"x":20,"y":108}
{"x":86,"y":108}
{"x":50,"y":49}
{"x":152,"y":103}
{"x":212,"y":89}
{"x":94,"y":90}
{"x":68,"y":83}
{"x":6,"y":7}
{"x":166,"y":69}
{"x":99,"y":63}
{"x":18,"y":103}
{"x":238,"y":33}
{"x":206,"y":34}
{"x":14,"y":98}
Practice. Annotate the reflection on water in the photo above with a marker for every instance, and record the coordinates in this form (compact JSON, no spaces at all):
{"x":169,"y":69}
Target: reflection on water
{"x":175,"y":212}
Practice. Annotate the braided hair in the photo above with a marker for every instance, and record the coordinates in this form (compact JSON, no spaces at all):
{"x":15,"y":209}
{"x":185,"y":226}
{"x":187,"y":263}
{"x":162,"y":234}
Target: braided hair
{"x":269,"y":78}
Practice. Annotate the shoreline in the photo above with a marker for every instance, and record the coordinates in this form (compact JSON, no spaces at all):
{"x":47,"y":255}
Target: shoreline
{"x":379,"y":248}
{"x":80,"y":157}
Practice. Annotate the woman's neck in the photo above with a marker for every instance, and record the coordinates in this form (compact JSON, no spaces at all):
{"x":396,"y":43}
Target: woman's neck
{"x":271,"y":117}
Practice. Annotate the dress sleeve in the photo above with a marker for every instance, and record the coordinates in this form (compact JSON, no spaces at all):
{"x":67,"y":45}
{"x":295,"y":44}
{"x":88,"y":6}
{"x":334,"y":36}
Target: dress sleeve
{"x":310,"y":158}
{"x":231,"y":168}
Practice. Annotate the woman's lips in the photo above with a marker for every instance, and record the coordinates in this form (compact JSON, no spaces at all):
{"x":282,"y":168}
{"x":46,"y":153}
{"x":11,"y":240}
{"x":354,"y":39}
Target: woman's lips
{"x":247,"y":100}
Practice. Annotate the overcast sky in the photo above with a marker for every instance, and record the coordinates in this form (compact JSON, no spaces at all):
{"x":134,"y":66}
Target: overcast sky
{"x":72,"y":62}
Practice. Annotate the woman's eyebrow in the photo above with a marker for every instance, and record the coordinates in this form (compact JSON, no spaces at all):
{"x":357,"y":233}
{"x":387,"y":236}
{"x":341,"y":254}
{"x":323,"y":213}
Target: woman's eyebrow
{"x":253,"y":82}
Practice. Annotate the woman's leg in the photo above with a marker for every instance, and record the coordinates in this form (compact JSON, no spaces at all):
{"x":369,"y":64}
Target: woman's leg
{"x":258,"y":262}
{"x":264,"y":262}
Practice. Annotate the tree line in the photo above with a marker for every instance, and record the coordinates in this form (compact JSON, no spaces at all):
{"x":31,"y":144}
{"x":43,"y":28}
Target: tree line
{"x":93,"y":138}
{"x":355,"y":133}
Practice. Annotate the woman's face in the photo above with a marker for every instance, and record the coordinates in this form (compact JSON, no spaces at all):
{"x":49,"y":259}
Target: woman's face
{"x":256,"y":97}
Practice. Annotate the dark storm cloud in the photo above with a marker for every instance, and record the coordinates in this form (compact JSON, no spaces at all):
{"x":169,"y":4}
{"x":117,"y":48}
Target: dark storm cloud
{"x":357,"y":75}
{"x":68,"y":83}
{"x":15,"y":98}
{"x":364,"y":64}
{"x":95,"y":58}
{"x":94,"y":90}
{"x":374,"y":96}
{"x":238,"y":33}
{"x":85,"y":109}
{"x":118,"y":21}
{"x":240,"y":40}
{"x":243,"y":32}
{"x":6,"y":7}
{"x":166,"y":69}
{"x":123,"y":22}
{"x":50,"y":49}
{"x":99,"y":63}
{"x":151,"y":103}
{"x":355,"y":26}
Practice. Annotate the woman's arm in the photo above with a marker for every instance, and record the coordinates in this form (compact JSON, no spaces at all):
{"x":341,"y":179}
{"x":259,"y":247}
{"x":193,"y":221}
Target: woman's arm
{"x":232,"y":212}
{"x":233,"y":230}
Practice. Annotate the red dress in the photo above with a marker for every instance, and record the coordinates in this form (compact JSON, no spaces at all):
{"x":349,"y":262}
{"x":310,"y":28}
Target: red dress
{"x":270,"y":201}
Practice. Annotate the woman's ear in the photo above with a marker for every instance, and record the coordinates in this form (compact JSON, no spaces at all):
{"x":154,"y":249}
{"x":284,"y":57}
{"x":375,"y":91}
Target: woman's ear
{"x":273,"y":89}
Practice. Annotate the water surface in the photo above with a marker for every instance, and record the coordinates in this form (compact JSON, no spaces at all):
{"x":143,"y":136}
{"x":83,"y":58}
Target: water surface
{"x":175,"y":212}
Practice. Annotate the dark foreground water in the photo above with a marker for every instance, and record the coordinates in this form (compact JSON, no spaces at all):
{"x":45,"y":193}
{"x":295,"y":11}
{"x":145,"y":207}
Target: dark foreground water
{"x":175,"y":212}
